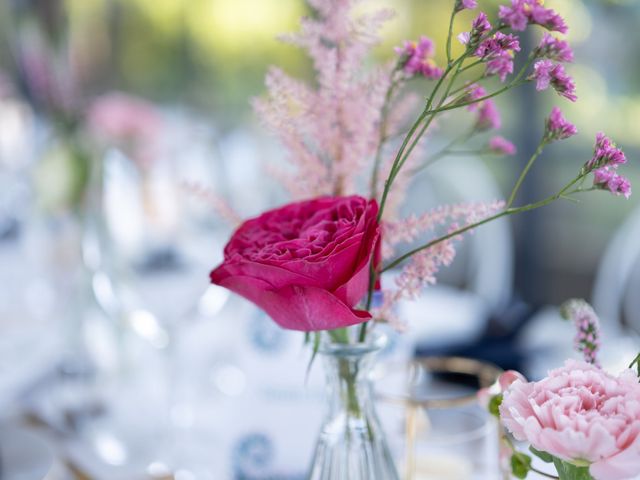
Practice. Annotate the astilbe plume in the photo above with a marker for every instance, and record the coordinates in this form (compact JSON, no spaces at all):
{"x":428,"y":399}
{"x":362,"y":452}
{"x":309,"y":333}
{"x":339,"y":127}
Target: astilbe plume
{"x":421,"y":270}
{"x":331,"y":130}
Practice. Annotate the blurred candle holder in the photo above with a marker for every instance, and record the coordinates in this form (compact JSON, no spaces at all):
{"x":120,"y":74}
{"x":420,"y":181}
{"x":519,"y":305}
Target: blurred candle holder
{"x":447,"y":434}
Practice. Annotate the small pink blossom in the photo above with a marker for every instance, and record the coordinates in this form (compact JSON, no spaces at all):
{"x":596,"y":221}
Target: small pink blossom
{"x":498,"y":51}
{"x":502,"y":146}
{"x":546,"y":17}
{"x":497,"y":45}
{"x":502,"y":66}
{"x":555,"y":49}
{"x":488,"y":116}
{"x":524,"y":12}
{"x":580,"y":413}
{"x":479,"y":27}
{"x":606,"y":178}
{"x":418,"y":58}
{"x":466,"y":4}
{"x":606,"y":153}
{"x":474,"y":92}
{"x":557,"y":127}
{"x":546,"y":73}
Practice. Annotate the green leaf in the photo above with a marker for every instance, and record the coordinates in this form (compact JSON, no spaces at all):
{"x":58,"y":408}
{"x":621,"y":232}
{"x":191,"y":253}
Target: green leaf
{"x":544,"y":456}
{"x":636,"y":363}
{"x":520,"y":465}
{"x":316,"y":346}
{"x":494,"y":405}
{"x":568,"y":471}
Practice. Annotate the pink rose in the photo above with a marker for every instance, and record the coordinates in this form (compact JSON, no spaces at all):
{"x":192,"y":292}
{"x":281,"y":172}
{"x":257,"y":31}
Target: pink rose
{"x":306,"y":264}
{"x":580,"y":413}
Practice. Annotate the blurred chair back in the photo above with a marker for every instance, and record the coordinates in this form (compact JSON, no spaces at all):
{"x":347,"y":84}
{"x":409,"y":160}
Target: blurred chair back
{"x":618,"y":279}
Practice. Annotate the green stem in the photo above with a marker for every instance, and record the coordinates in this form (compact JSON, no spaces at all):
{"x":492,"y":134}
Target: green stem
{"x":382,"y":135}
{"x":517,"y":81}
{"x":524,"y":173}
{"x":504,"y":213}
{"x":447,"y":151}
{"x":450,"y":34}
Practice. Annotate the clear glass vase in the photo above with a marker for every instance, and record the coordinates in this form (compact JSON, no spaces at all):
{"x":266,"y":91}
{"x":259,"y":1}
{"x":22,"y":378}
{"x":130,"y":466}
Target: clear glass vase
{"x":352,"y":444}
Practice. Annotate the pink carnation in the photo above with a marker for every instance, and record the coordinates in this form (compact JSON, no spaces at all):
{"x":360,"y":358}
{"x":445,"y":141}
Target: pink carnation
{"x":580,"y":413}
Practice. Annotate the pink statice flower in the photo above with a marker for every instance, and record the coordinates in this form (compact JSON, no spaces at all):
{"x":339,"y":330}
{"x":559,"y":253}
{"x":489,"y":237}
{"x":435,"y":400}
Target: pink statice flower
{"x":606,"y":153}
{"x":498,"y":52}
{"x":587,"y":324}
{"x":479,"y":27}
{"x":580,"y":414}
{"x":546,"y":73}
{"x":488,"y":117}
{"x":557,"y":127}
{"x":465,"y":5}
{"x":474,"y":93}
{"x":497,"y":45}
{"x":606,"y":178}
{"x":524,"y":12}
{"x":607,"y":157}
{"x":554,"y":49}
{"x":501,"y":146}
{"x":417,"y":58}
{"x":546,"y":17}
{"x":501,"y":65}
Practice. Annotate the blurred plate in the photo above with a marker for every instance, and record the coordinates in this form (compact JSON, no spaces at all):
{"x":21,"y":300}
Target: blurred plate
{"x":24,"y":455}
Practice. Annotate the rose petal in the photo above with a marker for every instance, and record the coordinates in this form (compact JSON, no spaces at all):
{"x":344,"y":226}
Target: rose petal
{"x":296,"y":307}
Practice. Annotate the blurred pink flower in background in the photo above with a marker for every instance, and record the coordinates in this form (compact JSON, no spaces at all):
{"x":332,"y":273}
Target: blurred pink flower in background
{"x":582,"y":414}
{"x":127,"y":122}
{"x":501,"y":146}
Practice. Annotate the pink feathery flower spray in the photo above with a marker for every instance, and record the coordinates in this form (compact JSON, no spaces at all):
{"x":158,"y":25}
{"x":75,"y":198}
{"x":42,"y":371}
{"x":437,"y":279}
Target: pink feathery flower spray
{"x":587,"y":324}
{"x":554,"y":49}
{"x":421,"y":270}
{"x":501,"y":146}
{"x":417,"y":58}
{"x":546,"y":73}
{"x":557,"y":127}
